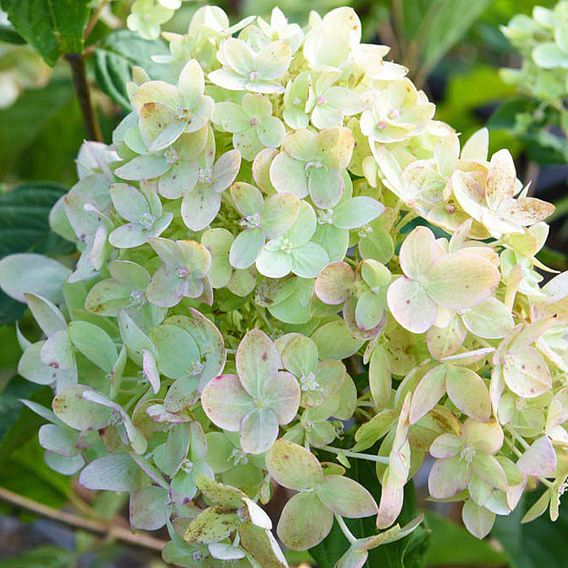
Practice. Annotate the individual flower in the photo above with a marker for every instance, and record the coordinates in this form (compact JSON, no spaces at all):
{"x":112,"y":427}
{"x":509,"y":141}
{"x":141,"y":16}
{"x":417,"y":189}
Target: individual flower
{"x":183,"y":272}
{"x":202,"y":202}
{"x":147,"y":16}
{"x":319,"y":380}
{"x":278,"y":28}
{"x":50,"y":361}
{"x":296,"y":100}
{"x":87,"y":208}
{"x":435,"y":281}
{"x":397,"y":112}
{"x":363,"y":293}
{"x":261,"y":220}
{"x":487,"y":193}
{"x":125,"y":289}
{"x":166,"y":111}
{"x":294,"y":251}
{"x":312,"y":164}
{"x":143,"y":209}
{"x":328,"y":104}
{"x":331,"y":39}
{"x":246,"y":70}
{"x":319,"y":496}
{"x":251,"y":123}
{"x":467,"y":461}
{"x":257,"y":400}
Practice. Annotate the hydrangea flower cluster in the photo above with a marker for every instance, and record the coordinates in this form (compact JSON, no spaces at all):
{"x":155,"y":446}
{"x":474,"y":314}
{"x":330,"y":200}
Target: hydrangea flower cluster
{"x":247,"y":232}
{"x":542,"y":41}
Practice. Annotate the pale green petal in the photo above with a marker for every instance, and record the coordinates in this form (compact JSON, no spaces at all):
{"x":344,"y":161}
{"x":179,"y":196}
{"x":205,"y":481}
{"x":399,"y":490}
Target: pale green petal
{"x":259,"y":430}
{"x":356,"y":212}
{"x":226,"y":403}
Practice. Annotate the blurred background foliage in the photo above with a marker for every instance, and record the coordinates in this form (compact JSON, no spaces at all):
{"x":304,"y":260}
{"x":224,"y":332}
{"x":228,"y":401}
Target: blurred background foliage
{"x":454,"y":50}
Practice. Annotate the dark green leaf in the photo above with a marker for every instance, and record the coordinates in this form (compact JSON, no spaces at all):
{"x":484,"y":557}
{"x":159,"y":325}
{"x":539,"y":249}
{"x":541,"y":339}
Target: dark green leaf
{"x":52,"y":27}
{"x":25,"y":227}
{"x":506,"y":114}
{"x":9,"y":35}
{"x":433,"y":27}
{"x":452,"y":545}
{"x":116,"y":56}
{"x":540,"y":544}
{"x":42,"y":557}
{"x":40,"y":134}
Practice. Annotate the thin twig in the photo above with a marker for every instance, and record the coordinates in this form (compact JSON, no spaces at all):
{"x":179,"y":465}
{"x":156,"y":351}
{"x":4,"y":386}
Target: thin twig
{"x":112,"y":531}
{"x":95,"y":18}
{"x":77,"y":63}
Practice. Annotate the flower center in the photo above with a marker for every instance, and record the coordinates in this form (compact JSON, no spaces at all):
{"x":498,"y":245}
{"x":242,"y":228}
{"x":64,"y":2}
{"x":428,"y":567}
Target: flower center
{"x":137,"y":298}
{"x":253,"y":121}
{"x":184,"y":113}
{"x":205,"y":175}
{"x":187,"y":466}
{"x":253,"y":75}
{"x":364,"y":231}
{"x":250,"y":221}
{"x":381,"y":125}
{"x":309,"y":383}
{"x":324,"y":216}
{"x":182,"y":272}
{"x":467,"y":454}
{"x":286,"y":246}
{"x":147,"y":220}
{"x":308,"y":425}
{"x":195,"y":368}
{"x":238,"y":457}
{"x":393,"y":114}
{"x":171,"y":156}
{"x":310,"y":165}
{"x":320,"y":100}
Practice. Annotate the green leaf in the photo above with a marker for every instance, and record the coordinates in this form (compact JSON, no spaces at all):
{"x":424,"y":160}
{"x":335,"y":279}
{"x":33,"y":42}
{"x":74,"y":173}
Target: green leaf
{"x":40,"y":133}
{"x":42,"y":557}
{"x":435,"y":26}
{"x":116,"y":56}
{"x":452,"y":545}
{"x":536,"y":544}
{"x":52,"y":27}
{"x":9,"y":35}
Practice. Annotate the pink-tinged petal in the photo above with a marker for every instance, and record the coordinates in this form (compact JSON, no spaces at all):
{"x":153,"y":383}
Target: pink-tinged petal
{"x":467,"y":390}
{"x":225,"y":402}
{"x":334,"y":283}
{"x":257,"y":360}
{"x":462,"y":280}
{"x":305,"y":521}
{"x":486,"y":437}
{"x":259,"y":431}
{"x":539,"y":460}
{"x":448,"y":477}
{"x":410,"y":305}
{"x":427,"y":394}
{"x":526,"y":373}
{"x":283,"y":392}
{"x":392,"y":497}
{"x":446,"y":446}
{"x":418,"y":252}
{"x":478,"y":520}
{"x":346,"y":497}
{"x":151,"y":370}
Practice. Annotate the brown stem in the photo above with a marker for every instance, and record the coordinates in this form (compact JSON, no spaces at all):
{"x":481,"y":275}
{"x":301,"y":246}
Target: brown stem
{"x":112,"y":531}
{"x":95,"y":18}
{"x":79,"y":73}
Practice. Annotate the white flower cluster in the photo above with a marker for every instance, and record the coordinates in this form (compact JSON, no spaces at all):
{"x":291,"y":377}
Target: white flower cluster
{"x":246,"y":231}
